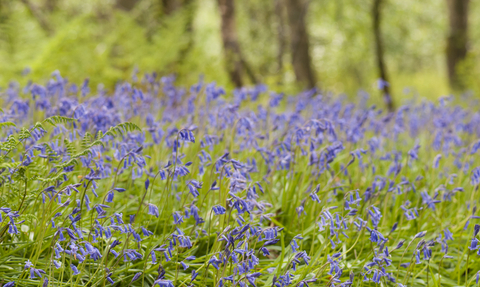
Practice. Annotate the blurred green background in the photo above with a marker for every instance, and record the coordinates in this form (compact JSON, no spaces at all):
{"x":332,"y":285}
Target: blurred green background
{"x":105,"y":41}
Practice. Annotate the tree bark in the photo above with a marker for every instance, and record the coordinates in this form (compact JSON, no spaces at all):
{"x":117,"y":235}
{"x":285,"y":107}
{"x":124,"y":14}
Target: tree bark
{"x":235,"y":63}
{"x":384,"y":83}
{"x":457,"y":39}
{"x":300,"y":47}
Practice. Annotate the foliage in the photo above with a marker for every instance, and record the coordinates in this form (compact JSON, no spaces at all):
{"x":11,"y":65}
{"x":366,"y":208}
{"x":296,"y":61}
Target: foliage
{"x":93,"y":38}
{"x":155,"y":184}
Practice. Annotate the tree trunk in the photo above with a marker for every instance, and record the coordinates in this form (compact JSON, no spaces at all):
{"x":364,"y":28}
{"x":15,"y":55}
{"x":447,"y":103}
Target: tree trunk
{"x":300,"y":48}
{"x":384,"y":83}
{"x":457,"y":39}
{"x":38,"y":15}
{"x":170,"y":6}
{"x":126,"y":5}
{"x":281,"y":36}
{"x":235,"y":62}
{"x":190,"y":6}
{"x":4,"y":11}
{"x":50,"y":5}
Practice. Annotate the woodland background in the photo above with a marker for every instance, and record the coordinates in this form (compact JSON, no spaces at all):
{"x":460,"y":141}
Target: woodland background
{"x":425,"y":48}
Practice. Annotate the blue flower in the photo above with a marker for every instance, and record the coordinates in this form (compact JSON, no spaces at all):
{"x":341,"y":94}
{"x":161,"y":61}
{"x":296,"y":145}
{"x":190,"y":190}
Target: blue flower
{"x":475,"y":176}
{"x":218,"y":210}
{"x":163,"y":283}
{"x":153,"y":210}
{"x":136,"y":276}
{"x":74,"y":269}
{"x":184,"y":265}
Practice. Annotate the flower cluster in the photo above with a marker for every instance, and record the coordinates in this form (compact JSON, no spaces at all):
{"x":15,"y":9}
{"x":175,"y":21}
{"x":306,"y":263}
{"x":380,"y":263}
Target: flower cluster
{"x":153,"y":184}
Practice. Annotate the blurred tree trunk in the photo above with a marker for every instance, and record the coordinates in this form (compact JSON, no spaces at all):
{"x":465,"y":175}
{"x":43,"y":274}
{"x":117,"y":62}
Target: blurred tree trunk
{"x":300,"y":48}
{"x":126,"y":5}
{"x":50,"y":5}
{"x":234,"y":60}
{"x":190,"y":6}
{"x":384,"y":83}
{"x":38,"y":15}
{"x":279,"y":11}
{"x":48,"y":8}
{"x":457,"y":39}
{"x":3,"y":11}
{"x":170,"y":6}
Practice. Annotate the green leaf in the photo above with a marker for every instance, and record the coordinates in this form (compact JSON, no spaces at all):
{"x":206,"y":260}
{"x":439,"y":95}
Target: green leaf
{"x":54,"y":120}
{"x":7,"y":124}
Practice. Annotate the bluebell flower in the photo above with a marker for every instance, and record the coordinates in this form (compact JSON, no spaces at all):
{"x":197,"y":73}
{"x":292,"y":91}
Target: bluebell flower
{"x":381,"y":84}
{"x":99,"y":208}
{"x":74,"y":269}
{"x":136,"y":276}
{"x":252,"y":276}
{"x":413,"y":153}
{"x":417,"y":257}
{"x":304,"y":283}
{"x":428,"y":200}
{"x":475,"y":176}
{"x":184,"y":265}
{"x":154,"y":257}
{"x":264,"y":251}
{"x":147,"y":184}
{"x":153,"y":210}
{"x":352,"y":212}
{"x":314,"y":195}
{"x":473,"y":244}
{"x":57,"y":264}
{"x":163,"y":283}
{"x":28,"y":264}
{"x":146,"y":232}
{"x":177,"y":217}
{"x":110,"y":195}
{"x":194,"y":275}
{"x":436,"y":160}
{"x":214,"y":262}
{"x":109,"y":276}
{"x":420,"y":234}
{"x":186,"y":135}
{"x":194,"y":187}
{"x":218,"y":210}
{"x":274,"y":241}
{"x":476,"y":230}
{"x":37,"y":272}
